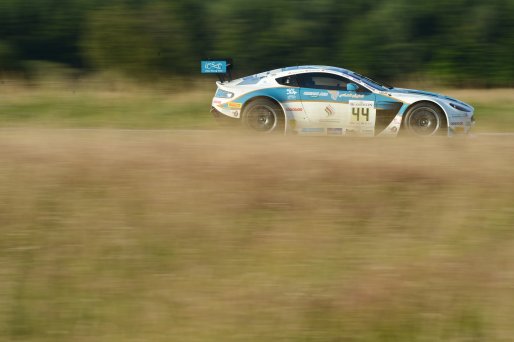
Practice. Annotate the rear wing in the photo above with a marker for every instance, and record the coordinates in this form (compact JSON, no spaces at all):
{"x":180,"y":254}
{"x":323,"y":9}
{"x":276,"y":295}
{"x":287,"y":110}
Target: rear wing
{"x":220,"y":66}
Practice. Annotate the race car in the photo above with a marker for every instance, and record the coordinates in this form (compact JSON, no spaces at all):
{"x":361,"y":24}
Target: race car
{"x":325,"y":100}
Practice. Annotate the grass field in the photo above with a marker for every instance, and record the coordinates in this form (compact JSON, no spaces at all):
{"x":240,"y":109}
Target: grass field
{"x":134,"y":236}
{"x":122,"y":107}
{"x":494,"y":108}
{"x":136,"y":106}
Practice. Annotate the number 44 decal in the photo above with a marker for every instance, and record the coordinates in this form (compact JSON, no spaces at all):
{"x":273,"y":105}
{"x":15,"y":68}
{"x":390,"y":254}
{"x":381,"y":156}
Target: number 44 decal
{"x":357,"y":113}
{"x":361,"y":110}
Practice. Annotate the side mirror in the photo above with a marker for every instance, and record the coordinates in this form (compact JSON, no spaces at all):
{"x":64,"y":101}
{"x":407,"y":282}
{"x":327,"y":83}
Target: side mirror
{"x":352,"y":87}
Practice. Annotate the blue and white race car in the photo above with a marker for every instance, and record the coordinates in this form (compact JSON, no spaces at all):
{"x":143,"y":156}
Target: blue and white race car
{"x":324,"y":100}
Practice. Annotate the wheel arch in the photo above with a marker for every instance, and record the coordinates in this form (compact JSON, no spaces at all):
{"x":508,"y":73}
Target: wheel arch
{"x":270,"y":98}
{"x":430,"y":102}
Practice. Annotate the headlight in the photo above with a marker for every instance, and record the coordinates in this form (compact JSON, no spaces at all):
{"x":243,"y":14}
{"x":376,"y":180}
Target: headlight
{"x":224,"y":94}
{"x":459,"y":107}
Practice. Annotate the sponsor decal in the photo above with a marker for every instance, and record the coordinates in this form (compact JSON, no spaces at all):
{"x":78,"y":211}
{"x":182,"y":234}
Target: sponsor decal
{"x":291,"y":94}
{"x":330,"y":110}
{"x":394,"y":129}
{"x":361,"y":104}
{"x":313,"y":130}
{"x":353,"y":96}
{"x":458,"y":123}
{"x":235,"y":105}
{"x":315,"y":93}
{"x":294,"y":109}
{"x":214,"y":67}
{"x":216,"y":101}
{"x":351,"y":132}
{"x":334,"y":131}
{"x":235,"y":113}
{"x":334,"y":94}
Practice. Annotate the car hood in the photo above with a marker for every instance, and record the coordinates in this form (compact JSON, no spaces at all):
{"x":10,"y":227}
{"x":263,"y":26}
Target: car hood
{"x":422,"y":93}
{"x":415,"y":92}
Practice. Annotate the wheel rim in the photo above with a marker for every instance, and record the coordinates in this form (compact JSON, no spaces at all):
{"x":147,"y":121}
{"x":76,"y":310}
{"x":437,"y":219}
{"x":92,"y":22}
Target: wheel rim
{"x":424,"y":121}
{"x":261,"y":118}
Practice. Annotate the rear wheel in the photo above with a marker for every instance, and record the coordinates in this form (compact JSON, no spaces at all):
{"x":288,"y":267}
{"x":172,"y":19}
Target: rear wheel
{"x":264,"y":116}
{"x":424,"y":119}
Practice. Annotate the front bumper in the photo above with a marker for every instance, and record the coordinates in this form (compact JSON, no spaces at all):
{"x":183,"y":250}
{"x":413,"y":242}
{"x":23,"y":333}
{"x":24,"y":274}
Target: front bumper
{"x":461,"y":124}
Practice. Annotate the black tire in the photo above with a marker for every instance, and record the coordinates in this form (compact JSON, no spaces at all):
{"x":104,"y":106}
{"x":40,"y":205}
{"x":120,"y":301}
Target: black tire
{"x":263,"y":116}
{"x":424,"y":119}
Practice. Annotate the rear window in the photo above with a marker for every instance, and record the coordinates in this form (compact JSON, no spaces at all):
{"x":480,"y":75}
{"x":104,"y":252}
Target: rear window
{"x":250,"y":80}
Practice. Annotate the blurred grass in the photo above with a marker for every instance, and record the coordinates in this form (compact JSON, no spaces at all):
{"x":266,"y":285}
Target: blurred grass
{"x":494,"y":108}
{"x":125,"y":105}
{"x":134,"y":236}
{"x":122,"y":107}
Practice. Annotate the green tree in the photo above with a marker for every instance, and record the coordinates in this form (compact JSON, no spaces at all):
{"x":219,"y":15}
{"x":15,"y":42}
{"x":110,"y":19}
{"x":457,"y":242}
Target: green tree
{"x":463,"y":42}
{"x":141,"y":40}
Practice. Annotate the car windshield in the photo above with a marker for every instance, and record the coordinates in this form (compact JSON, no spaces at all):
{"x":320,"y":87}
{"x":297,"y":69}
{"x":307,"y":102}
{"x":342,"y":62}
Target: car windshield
{"x":374,"y":84}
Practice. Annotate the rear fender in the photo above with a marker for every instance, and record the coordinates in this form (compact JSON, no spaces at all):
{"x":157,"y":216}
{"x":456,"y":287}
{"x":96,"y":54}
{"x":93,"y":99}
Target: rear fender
{"x":267,"y":97}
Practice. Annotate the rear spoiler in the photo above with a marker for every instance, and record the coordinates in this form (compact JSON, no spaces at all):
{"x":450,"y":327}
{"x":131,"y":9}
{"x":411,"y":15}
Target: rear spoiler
{"x":220,"y":66}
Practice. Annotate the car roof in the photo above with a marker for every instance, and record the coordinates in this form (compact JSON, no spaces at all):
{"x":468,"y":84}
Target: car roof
{"x":256,"y":78}
{"x":309,"y":68}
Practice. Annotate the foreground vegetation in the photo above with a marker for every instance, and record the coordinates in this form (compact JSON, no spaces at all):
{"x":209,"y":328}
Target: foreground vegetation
{"x":111,"y":104}
{"x":145,"y":236}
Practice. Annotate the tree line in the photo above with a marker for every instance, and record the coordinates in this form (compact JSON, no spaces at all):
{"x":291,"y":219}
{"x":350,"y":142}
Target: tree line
{"x":459,"y":42}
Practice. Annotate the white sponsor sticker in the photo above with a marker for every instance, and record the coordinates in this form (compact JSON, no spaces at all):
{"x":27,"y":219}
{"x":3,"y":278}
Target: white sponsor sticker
{"x":315,"y":93}
{"x":361,"y":104}
{"x":353,"y":96}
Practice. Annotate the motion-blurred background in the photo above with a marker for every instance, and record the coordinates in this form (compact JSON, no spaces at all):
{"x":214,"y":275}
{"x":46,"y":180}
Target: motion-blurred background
{"x":112,"y":232}
{"x":458,"y":42}
{"x":135,"y":63}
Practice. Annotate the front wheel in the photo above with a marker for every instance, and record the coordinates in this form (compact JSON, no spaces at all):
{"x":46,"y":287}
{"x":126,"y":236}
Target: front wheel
{"x":264,"y":116}
{"x":424,"y":119}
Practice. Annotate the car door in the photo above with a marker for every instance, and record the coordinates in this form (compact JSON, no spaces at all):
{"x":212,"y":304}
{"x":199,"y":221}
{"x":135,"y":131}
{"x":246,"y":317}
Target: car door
{"x":334,"y":108}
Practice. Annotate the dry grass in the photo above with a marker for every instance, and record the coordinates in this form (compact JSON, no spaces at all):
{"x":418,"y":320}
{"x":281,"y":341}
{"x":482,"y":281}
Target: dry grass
{"x":482,"y":95}
{"x":123,"y":236}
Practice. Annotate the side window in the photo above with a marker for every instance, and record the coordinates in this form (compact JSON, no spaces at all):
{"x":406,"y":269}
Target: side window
{"x":319,"y":80}
{"x":288,"y":81}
